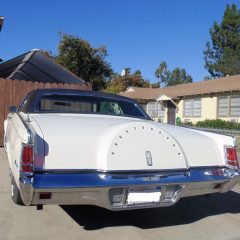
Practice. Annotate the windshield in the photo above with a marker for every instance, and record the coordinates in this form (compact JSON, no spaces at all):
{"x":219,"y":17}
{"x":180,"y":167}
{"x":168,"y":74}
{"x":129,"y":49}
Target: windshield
{"x":89,"y":105}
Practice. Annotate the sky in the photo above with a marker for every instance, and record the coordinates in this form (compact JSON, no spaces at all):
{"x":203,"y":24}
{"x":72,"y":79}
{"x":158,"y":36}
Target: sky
{"x":137,"y":33}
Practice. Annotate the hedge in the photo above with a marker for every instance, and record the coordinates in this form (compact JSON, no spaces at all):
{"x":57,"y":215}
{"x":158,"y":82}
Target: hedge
{"x":216,"y":123}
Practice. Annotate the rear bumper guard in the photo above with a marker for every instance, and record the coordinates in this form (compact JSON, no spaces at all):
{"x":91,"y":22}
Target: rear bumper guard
{"x":96,"y":188}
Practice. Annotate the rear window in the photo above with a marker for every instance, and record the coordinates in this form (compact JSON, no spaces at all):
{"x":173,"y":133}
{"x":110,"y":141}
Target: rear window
{"x":89,"y":105}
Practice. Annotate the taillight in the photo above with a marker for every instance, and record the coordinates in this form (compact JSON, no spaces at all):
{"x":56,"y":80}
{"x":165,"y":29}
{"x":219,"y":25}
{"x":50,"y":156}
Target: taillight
{"x":231,"y":157}
{"x":27,"y":159}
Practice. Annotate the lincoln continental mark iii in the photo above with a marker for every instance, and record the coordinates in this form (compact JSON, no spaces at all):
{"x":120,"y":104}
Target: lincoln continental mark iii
{"x":90,"y":148}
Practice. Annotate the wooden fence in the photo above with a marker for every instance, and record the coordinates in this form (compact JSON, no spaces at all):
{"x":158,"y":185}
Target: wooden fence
{"x":12,"y":92}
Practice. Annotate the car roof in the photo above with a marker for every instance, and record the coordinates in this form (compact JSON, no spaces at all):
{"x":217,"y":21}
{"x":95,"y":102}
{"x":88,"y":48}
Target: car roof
{"x":42,"y":92}
{"x":30,"y":102}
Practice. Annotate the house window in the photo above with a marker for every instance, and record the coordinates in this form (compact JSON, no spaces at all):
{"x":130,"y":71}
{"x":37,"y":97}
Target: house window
{"x":160,"y":110}
{"x":229,"y":106}
{"x":155,"y":110}
{"x":144,"y":107}
{"x":192,"y":107}
{"x":234,"y":106}
{"x":223,"y":106}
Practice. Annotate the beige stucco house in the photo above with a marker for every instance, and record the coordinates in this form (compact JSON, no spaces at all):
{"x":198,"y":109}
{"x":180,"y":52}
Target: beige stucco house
{"x":191,"y":102}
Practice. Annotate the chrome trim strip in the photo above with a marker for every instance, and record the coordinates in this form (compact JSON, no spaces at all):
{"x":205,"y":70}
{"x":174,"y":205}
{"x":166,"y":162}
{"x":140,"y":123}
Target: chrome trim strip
{"x":26,"y":189}
{"x":87,"y":180}
{"x":234,"y":141}
{"x":144,"y":171}
{"x":29,"y":132}
{"x":25,"y":175}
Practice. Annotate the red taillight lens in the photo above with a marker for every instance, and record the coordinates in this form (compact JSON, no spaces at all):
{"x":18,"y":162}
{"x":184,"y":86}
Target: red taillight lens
{"x":231,"y":155}
{"x":27,"y":159}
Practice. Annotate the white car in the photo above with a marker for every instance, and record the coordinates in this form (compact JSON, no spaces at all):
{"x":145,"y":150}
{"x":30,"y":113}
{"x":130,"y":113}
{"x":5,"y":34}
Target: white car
{"x":78,"y":147}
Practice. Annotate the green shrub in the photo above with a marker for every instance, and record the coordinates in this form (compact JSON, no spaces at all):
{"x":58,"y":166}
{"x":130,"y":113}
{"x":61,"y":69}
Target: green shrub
{"x":185,"y":124}
{"x":219,"y":124}
{"x":215,"y":123}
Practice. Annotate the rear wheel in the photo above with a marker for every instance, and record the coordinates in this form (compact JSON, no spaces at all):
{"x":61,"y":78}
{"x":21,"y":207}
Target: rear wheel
{"x":16,"y":196}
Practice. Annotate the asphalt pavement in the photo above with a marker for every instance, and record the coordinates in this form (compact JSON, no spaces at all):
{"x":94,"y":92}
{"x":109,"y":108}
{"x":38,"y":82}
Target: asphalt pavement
{"x":213,"y":217}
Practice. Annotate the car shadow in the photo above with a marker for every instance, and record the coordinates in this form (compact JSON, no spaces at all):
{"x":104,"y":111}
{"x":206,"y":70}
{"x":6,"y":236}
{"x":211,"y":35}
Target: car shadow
{"x":187,"y":210}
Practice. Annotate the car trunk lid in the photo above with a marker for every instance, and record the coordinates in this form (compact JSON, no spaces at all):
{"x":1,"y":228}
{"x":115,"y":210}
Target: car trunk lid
{"x":98,"y":142}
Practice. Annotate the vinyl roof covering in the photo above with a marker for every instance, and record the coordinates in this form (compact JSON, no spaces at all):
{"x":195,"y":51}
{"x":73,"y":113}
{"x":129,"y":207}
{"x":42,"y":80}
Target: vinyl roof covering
{"x":224,"y":84}
{"x":35,"y":66}
{"x":77,"y":92}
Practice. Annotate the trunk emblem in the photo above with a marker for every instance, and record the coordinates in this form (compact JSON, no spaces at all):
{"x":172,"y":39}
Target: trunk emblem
{"x":148,"y":157}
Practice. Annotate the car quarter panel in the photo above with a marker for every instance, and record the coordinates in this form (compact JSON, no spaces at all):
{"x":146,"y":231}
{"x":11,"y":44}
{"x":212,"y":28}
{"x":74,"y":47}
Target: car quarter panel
{"x":15,"y":135}
{"x":200,"y":148}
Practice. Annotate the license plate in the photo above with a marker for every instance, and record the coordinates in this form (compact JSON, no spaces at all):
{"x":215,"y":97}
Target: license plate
{"x":141,"y":195}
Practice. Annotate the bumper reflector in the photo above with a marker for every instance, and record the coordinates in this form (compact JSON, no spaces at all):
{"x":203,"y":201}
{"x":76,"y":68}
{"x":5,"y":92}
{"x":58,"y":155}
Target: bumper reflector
{"x":46,"y":195}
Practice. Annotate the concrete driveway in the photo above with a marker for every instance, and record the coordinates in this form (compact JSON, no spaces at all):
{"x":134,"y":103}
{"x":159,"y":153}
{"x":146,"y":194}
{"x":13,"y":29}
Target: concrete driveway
{"x":214,"y":217}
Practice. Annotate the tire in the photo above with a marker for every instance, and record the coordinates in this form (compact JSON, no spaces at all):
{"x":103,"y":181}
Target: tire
{"x":15,"y":193}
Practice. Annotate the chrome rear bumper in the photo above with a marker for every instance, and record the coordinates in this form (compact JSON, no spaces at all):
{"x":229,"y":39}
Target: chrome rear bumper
{"x":104,"y":188}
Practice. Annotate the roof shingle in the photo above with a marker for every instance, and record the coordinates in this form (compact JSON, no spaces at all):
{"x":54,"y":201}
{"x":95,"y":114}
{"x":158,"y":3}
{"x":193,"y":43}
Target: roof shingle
{"x":224,"y":84}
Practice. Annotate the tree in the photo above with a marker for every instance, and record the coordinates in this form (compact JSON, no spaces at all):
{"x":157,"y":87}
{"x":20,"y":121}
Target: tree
{"x":121,"y":83}
{"x":1,"y":22}
{"x":222,"y":55}
{"x":127,"y":71}
{"x":155,"y":85}
{"x":170,"y":78}
{"x":138,"y":72}
{"x":89,"y":63}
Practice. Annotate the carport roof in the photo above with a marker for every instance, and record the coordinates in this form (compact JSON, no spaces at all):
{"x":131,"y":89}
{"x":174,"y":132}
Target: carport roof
{"x":35,"y":66}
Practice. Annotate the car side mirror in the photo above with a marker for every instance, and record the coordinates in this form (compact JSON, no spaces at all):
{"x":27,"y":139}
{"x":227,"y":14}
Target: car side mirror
{"x":12,"y":109}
